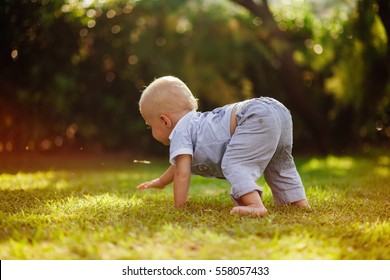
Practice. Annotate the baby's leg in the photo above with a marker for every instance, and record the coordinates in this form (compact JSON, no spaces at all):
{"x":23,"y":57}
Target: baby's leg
{"x":252,"y":206}
{"x":247,"y":155}
{"x":286,"y":186}
{"x":281,"y":173}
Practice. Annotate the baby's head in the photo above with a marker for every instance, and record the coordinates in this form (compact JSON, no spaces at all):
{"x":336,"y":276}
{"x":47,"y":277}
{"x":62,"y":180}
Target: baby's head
{"x":167,"y":95}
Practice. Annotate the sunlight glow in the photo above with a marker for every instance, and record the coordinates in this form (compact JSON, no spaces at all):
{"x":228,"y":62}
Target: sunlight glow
{"x":331,"y":162}
{"x":21,"y":180}
{"x":93,"y":204}
{"x":183,"y":25}
{"x":87,"y":3}
{"x":384,"y":160}
{"x":373,"y":231}
{"x":382,"y":171}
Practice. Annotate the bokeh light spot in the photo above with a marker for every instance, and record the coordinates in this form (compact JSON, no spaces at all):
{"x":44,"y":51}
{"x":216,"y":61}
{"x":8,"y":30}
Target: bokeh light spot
{"x":71,"y":131}
{"x":14,"y":54}
{"x":110,"y":14}
{"x":91,"y":23}
{"x":115,"y":29}
{"x":133,"y":59}
{"x":83,"y":32}
{"x":317,"y":48}
{"x":110,"y":77}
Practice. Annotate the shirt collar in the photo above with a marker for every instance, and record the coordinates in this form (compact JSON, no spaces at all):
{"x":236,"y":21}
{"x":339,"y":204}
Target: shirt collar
{"x":186,"y":116}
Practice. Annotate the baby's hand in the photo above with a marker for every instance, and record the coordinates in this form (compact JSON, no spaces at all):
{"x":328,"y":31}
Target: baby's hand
{"x":151,"y":184}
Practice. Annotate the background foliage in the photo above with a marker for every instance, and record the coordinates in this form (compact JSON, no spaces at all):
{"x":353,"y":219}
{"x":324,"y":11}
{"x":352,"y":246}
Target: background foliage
{"x":71,"y":72}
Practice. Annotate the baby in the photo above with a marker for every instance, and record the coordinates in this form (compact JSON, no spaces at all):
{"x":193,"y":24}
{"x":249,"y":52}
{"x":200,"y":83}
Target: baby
{"x":238,"y":142}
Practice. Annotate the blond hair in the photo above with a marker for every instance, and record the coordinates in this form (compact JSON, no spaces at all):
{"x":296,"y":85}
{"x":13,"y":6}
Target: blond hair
{"x":167,"y":94}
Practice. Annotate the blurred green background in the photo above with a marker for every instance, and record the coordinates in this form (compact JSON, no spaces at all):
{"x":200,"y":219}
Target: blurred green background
{"x":71,"y":72}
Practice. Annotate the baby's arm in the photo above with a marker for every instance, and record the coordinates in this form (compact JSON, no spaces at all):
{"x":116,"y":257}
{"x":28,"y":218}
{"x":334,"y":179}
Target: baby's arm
{"x":181,"y":181}
{"x":159,"y":183}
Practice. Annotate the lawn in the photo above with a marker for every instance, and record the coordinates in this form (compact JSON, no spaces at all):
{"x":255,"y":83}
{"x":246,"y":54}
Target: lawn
{"x":88,"y":208}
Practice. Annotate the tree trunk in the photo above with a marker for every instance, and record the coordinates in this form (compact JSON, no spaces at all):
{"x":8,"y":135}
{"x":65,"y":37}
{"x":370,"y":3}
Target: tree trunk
{"x":377,"y":64}
{"x":384,"y":14}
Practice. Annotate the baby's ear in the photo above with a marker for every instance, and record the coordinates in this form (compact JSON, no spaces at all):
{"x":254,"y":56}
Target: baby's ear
{"x":167,"y":121}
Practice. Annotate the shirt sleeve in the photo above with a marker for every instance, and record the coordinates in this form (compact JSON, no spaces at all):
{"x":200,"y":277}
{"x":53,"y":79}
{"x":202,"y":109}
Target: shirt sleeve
{"x":180,"y":144}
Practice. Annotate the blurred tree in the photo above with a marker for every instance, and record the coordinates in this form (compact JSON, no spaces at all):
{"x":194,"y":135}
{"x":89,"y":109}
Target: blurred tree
{"x":291,"y":75}
{"x":34,"y":88}
{"x":71,"y":72}
{"x":334,"y":124}
{"x":359,"y":77}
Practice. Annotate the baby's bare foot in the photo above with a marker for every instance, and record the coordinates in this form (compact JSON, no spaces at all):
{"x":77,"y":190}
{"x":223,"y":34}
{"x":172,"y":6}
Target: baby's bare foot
{"x":301,"y":203}
{"x":255,"y":211}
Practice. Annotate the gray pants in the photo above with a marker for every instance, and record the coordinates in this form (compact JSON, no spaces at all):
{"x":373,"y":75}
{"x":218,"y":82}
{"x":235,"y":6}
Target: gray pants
{"x":262,"y":145}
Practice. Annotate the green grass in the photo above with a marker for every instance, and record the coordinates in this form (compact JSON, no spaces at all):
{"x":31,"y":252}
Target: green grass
{"x":72,"y":208}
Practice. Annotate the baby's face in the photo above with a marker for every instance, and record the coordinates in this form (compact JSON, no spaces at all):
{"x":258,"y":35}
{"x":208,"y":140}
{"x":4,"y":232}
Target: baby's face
{"x":159,"y":129}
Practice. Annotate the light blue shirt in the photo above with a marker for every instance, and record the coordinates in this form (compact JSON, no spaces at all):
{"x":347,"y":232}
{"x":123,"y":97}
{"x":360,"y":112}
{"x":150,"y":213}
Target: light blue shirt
{"x":204,"y":136}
